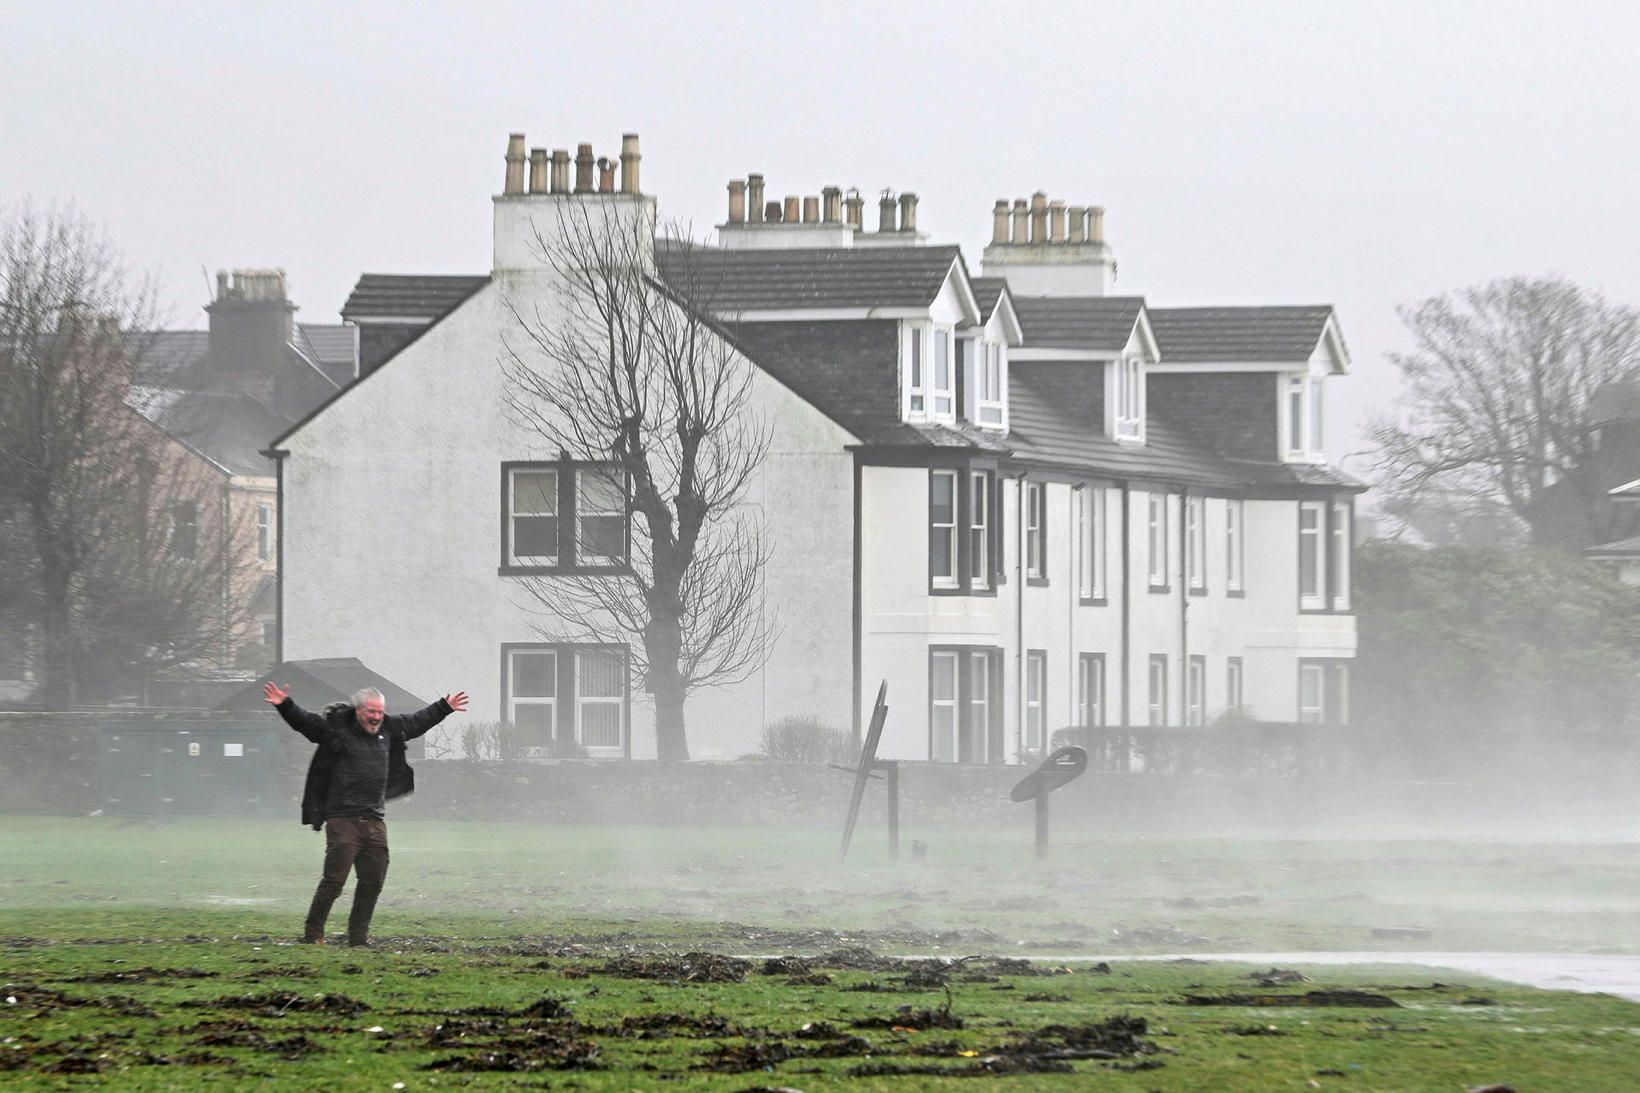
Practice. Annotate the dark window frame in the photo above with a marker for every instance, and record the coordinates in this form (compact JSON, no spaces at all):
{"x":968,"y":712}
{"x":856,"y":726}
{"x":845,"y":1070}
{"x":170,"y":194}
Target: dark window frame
{"x":962,"y":559}
{"x":567,"y":471}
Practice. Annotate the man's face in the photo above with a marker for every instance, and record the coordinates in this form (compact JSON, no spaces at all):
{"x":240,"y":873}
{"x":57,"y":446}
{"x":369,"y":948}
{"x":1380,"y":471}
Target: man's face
{"x":370,"y":714}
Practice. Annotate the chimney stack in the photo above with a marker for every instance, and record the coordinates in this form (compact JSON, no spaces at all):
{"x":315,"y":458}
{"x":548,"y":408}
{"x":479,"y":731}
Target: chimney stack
{"x":1077,"y":219}
{"x":629,"y":164}
{"x":515,"y":164}
{"x":583,"y":169}
{"x":737,"y":201}
{"x":1022,"y":222}
{"x":560,"y":170}
{"x":1096,"y":224}
{"x":754,"y":197}
{"x":999,"y":221}
{"x":831,"y":200}
{"x":908,"y":212}
{"x":1039,"y":217}
{"x":885,"y":212}
{"x":1056,"y":221}
{"x":538,"y":170}
{"x":606,"y":175}
{"x":856,"y":206}
{"x":792,"y":211}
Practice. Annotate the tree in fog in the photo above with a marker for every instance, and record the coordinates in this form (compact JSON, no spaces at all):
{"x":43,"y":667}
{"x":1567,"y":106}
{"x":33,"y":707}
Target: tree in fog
{"x":114,"y":562}
{"x":1460,"y":640}
{"x":1496,"y":413}
{"x":632,"y":374}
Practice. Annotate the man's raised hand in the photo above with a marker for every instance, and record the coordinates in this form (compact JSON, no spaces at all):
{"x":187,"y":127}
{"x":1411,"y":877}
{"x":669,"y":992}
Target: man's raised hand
{"x":457,"y":701}
{"x":274,"y":693}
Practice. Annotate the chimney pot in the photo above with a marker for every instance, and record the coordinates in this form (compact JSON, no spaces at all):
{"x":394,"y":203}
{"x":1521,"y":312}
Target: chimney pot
{"x":999,"y":221}
{"x":856,"y":206}
{"x":629,"y":163}
{"x":1056,"y":221}
{"x":1022,"y":222}
{"x":1096,"y":224}
{"x":538,"y":170}
{"x":831,"y":201}
{"x":606,"y":175}
{"x":811,"y":210}
{"x":583,"y":169}
{"x":792,"y":210}
{"x":515,"y":164}
{"x":1039,"y":217}
{"x":885,"y":211}
{"x":560,"y":170}
{"x":908,"y":212}
{"x":771,"y":212}
{"x":754,"y":197}
{"x":737,"y":201}
{"x":221,"y":284}
{"x":1076,"y":219}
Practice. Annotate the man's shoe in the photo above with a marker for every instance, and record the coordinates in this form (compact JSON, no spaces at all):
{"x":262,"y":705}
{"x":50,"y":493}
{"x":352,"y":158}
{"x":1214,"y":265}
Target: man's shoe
{"x":361,"y":943}
{"x":313,"y":941}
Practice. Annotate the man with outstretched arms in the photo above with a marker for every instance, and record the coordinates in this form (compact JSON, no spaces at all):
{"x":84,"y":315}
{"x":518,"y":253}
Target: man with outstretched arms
{"x":359,"y":765}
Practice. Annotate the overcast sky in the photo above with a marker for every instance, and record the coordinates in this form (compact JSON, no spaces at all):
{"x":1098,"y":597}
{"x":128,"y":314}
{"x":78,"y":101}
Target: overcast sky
{"x":1364,"y":155}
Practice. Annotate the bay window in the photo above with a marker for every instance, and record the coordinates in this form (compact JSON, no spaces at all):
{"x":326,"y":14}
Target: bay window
{"x":942,"y":529}
{"x":1312,"y":558}
{"x":1090,"y":534}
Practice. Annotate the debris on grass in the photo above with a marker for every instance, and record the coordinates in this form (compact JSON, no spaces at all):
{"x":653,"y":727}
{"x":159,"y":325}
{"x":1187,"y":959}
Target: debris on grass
{"x":1309,"y":998}
{"x":688,"y":968}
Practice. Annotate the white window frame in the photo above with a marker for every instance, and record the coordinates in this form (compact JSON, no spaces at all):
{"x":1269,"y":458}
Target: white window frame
{"x":513,"y":515}
{"x":1036,"y":539}
{"x":1341,"y":534}
{"x":1195,"y":539}
{"x":1128,"y":417}
{"x":1312,"y":539}
{"x":550,"y":702}
{"x":979,"y":706}
{"x":979,"y":530}
{"x":1156,"y":707}
{"x":1233,"y":684}
{"x":942,"y":399}
{"x":583,"y":702}
{"x":947,"y":531}
{"x":1090,"y":548}
{"x":1090,"y":690}
{"x":1156,"y":527}
{"x":1195,"y":691}
{"x":601,"y":476}
{"x":1235,"y":544}
{"x":264,"y":532}
{"x":1036,"y":699}
{"x":991,"y":393}
{"x":942,"y":744}
{"x":1303,"y":416}
{"x":1312,"y":708}
{"x":916,"y":372}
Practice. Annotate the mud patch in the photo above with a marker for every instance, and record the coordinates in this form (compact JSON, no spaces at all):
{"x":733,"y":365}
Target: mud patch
{"x":688,"y":968}
{"x":1367,"y":999}
{"x":548,"y":1053}
{"x":279,"y":1003}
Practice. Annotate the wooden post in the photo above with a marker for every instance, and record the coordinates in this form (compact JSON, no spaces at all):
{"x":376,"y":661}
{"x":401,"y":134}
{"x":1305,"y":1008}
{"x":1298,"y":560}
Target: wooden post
{"x":1042,"y":825}
{"x":893,"y":769}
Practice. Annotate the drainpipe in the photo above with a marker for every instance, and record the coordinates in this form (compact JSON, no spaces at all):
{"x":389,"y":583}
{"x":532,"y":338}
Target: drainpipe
{"x":1184,"y":606}
{"x":1127,"y":599}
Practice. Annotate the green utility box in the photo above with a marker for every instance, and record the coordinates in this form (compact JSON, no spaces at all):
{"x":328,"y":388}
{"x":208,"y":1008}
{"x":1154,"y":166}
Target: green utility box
{"x":165,"y":768}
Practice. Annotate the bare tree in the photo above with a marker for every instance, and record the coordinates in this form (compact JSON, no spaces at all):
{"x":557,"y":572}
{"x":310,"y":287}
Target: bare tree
{"x":618,"y":368}
{"x":94,"y":507}
{"x":1497,"y":404}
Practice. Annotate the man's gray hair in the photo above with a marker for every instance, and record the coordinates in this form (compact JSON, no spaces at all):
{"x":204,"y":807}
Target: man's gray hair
{"x":364,"y":694}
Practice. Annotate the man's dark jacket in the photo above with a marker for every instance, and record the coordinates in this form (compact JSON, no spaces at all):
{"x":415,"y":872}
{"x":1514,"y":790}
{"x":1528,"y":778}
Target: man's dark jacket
{"x":340,"y":717}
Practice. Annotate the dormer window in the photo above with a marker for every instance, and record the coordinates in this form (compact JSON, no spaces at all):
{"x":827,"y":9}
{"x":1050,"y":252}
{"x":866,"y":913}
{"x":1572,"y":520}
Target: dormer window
{"x":930,"y":374}
{"x":1128,"y":405}
{"x":989,"y":382}
{"x":1302,"y":411}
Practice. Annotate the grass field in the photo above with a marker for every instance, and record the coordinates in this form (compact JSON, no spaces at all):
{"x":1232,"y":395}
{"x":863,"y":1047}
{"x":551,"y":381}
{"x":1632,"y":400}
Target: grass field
{"x":159,"y":956}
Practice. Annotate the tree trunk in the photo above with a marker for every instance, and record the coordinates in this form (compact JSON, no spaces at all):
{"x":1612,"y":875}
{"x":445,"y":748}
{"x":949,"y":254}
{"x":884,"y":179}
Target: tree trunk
{"x":663,"y":641}
{"x":57,"y":677}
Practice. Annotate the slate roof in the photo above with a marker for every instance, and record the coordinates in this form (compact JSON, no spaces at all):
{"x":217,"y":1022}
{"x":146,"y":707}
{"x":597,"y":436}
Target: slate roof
{"x":412,"y":297}
{"x":1098,"y":323}
{"x":1230,"y":334}
{"x":730,"y":281}
{"x":849,"y":371}
{"x":315,"y":683}
{"x":333,"y":347}
{"x":162,"y":354}
{"x":987,"y":291}
{"x":228,"y":429}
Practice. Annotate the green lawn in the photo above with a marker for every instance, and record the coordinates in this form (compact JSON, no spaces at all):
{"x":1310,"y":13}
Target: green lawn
{"x":159,"y":956}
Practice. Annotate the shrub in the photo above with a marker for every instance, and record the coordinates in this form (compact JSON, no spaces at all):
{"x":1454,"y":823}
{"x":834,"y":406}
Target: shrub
{"x":808,"y":740}
{"x":502,"y":740}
